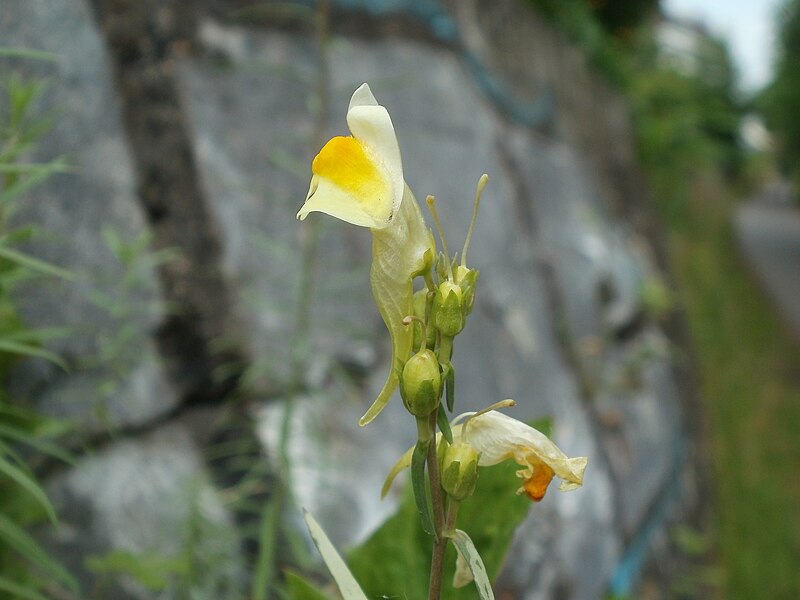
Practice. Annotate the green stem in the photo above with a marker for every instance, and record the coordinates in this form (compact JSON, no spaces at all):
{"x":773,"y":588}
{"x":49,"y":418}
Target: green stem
{"x":429,"y":282}
{"x":425,"y":435}
{"x":445,"y":349}
{"x":437,"y":499}
{"x":452,"y":516}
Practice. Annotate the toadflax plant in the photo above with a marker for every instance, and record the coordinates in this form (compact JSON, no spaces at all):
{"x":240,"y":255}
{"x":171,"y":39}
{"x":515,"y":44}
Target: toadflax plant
{"x":359,"y":179}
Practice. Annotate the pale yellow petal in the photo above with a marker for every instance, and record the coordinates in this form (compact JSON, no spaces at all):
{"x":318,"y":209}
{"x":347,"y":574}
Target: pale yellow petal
{"x":399,"y":252}
{"x":349,"y":184}
{"x":371,"y":124}
{"x":499,"y":437}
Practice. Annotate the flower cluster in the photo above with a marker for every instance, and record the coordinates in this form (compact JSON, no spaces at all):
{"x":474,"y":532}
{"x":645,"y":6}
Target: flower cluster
{"x":359,"y":179}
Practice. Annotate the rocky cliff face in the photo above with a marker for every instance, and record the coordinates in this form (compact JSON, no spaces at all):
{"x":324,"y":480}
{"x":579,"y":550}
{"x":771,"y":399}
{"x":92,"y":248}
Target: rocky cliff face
{"x":191,"y":126}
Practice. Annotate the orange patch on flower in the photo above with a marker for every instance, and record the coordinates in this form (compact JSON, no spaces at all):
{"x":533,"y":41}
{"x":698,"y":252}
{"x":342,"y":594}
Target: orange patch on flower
{"x":535,"y":486}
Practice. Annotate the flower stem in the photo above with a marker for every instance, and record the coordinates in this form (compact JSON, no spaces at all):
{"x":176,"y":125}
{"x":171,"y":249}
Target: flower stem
{"x":452,"y":516}
{"x":445,"y":349}
{"x":437,"y":499}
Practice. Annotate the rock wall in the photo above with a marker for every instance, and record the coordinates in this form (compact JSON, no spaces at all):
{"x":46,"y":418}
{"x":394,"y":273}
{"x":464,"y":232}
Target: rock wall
{"x":191,"y":126}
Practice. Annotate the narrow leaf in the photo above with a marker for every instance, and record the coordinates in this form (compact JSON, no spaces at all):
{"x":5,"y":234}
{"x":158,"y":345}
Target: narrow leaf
{"x":20,"y":541}
{"x":28,"y":53}
{"x":444,"y":424}
{"x":300,"y":589}
{"x":15,"y":168}
{"x":39,"y":335}
{"x":348,"y":586}
{"x":464,"y":545}
{"x":29,"y":485}
{"x":34,"y":263}
{"x":450,"y":387}
{"x":21,"y":186}
{"x":418,"y":483}
{"x":19,"y":591}
{"x":13,"y":347}
{"x":265,"y":563}
{"x":34,"y":441}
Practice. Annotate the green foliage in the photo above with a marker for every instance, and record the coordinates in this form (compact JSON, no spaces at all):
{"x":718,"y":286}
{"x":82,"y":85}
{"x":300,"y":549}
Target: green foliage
{"x":686,"y":121}
{"x":781,"y":99}
{"x":748,"y":369}
{"x":577,"y":20}
{"x":152,"y":571}
{"x":621,"y":17}
{"x":686,"y":117}
{"x":588,"y":22}
{"x":193,"y":561}
{"x":264,"y":572}
{"x":17,"y":538}
{"x":299,"y":588}
{"x":128,"y":297}
{"x":22,"y":433}
{"x":395,"y":560}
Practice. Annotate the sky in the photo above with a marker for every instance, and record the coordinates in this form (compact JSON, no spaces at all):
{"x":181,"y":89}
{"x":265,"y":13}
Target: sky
{"x":749,"y":26}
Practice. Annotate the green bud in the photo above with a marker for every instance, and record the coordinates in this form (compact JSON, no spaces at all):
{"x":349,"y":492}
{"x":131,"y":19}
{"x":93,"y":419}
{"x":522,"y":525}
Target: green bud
{"x":466,"y":279}
{"x":448,"y":312}
{"x":441,"y":266}
{"x":460,"y":470}
{"x":421,"y":384}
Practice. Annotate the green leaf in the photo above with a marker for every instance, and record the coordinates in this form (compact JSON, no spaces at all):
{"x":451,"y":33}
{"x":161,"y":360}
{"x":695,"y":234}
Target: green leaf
{"x":19,"y":591}
{"x":444,"y":424}
{"x":491,"y":516}
{"x":34,"y":441}
{"x":12,"y":347}
{"x":265,"y":563}
{"x":20,"y":541}
{"x":300,"y":589}
{"x":467,"y":549}
{"x":395,"y":561}
{"x":450,"y":387}
{"x":492,"y":528}
{"x":34,"y":263}
{"x":35,"y":177}
{"x":348,"y":586}
{"x":153,"y":571}
{"x":27,"y":483}
{"x":31,"y":53}
{"x":39,"y":335}
{"x":419,"y":485}
{"x":15,"y":168}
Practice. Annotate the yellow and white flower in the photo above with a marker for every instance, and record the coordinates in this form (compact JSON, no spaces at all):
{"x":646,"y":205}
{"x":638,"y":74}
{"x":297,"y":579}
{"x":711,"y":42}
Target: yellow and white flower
{"x":498,"y":437}
{"x":359,"y":179}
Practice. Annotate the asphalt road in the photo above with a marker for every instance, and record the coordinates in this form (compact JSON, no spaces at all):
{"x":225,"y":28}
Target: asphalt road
{"x":769,"y":238}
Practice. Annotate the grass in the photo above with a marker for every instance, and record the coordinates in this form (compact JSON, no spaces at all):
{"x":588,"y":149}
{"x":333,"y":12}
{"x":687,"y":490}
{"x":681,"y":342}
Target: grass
{"x":750,"y":386}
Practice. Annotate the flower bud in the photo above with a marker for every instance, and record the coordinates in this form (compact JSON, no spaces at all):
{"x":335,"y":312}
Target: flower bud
{"x":466,"y":278}
{"x":460,"y":470}
{"x":421,"y":383}
{"x":448,"y":312}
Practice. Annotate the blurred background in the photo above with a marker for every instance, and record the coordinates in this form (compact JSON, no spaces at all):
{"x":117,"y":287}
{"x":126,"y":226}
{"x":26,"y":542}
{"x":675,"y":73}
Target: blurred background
{"x":183,"y":363}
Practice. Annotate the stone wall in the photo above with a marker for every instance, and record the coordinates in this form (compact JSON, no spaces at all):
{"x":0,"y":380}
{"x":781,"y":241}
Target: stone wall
{"x":192,"y":123}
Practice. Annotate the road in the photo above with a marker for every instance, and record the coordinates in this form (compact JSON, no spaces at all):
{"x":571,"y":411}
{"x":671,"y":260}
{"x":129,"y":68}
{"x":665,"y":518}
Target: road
{"x":769,"y":238}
